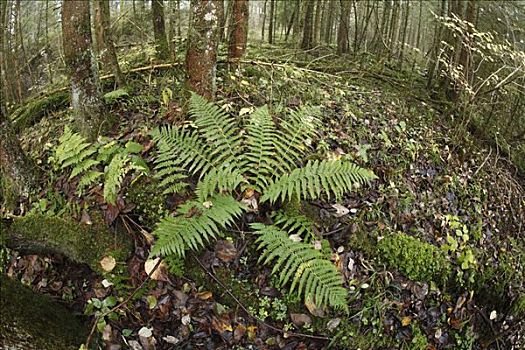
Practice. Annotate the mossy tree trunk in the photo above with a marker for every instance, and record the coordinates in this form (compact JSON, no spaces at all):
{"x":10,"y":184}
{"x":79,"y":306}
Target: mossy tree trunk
{"x":201,"y":55}
{"x":82,"y":243}
{"x":16,"y":170}
{"x":105,"y":44}
{"x":80,"y":62}
{"x":238,"y":29}
{"x":159,"y":29}
{"x":32,"y":321}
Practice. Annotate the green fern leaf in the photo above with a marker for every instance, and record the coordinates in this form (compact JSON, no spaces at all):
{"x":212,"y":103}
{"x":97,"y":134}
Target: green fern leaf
{"x":226,"y":179}
{"x":195,"y":224}
{"x":114,"y":175}
{"x":217,"y":128}
{"x":329,"y":176}
{"x":89,"y":178}
{"x":297,"y":131}
{"x":314,"y":277}
{"x":265,"y":156}
{"x":294,"y":224}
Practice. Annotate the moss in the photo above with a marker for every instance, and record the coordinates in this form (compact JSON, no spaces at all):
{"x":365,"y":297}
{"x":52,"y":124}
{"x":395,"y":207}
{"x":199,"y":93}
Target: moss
{"x":518,"y":306}
{"x":32,"y":111}
{"x":240,"y":289}
{"x":33,"y":321}
{"x":80,"y":242}
{"x":350,"y":336}
{"x":417,"y":260}
{"x":150,"y":206}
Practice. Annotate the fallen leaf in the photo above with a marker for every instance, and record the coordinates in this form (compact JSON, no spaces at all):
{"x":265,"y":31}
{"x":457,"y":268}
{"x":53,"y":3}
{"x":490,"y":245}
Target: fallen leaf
{"x":85,"y":219}
{"x":313,"y":309}
{"x":108,"y":263}
{"x":145,"y":332}
{"x":252,"y":332}
{"x":493,"y":315}
{"x":333,"y":324}
{"x":225,"y":250}
{"x":204,"y":295}
{"x":295,"y":238}
{"x":186,"y":320}
{"x":300,"y":320}
{"x":160,"y":274}
{"x":106,"y":283}
{"x":239,"y":332}
{"x":340,"y":210}
{"x":405,"y":321}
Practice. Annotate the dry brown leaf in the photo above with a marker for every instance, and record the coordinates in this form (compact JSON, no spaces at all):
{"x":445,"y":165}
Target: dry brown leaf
{"x":160,"y":274}
{"x":108,"y":263}
{"x":204,"y":295}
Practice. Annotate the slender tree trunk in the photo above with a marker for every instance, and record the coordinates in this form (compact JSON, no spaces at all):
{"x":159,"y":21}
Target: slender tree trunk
{"x":263,"y":20}
{"x":434,"y":61}
{"x":105,"y":42}
{"x":159,"y":29}
{"x":291,"y":22}
{"x":403,"y":38}
{"x":342,"y":33}
{"x":308,"y":26}
{"x":201,"y":56}
{"x":329,"y":22}
{"x":239,"y":29}
{"x":78,"y":54}
{"x":224,"y":13}
{"x":271,"y":24}
{"x":317,"y":23}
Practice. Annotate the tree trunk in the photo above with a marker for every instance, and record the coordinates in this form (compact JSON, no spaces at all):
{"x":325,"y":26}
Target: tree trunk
{"x":78,"y":54}
{"x":159,"y":30}
{"x":403,"y":38}
{"x":105,"y":44}
{"x":317,"y":23}
{"x":270,"y":25}
{"x":239,"y":29}
{"x":201,"y":56}
{"x":33,"y":321}
{"x":263,"y":20}
{"x":342,"y":33}
{"x":308,"y":26}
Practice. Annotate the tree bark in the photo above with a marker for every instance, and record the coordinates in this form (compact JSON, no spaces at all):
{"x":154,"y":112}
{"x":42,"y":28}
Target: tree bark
{"x":239,"y":29}
{"x":201,"y":55}
{"x":342,"y":33}
{"x":270,"y":25}
{"x":308,"y":26}
{"x":159,"y":30}
{"x":80,"y":63}
{"x":105,"y":44}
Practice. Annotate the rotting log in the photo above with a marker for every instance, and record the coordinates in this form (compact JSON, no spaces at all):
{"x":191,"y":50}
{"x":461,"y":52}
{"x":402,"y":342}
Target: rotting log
{"x":82,"y":243}
{"x":32,"y":321}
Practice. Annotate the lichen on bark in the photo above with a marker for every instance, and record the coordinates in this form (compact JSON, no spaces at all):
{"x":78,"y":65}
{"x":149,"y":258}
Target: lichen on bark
{"x":201,"y":56}
{"x":78,"y":54}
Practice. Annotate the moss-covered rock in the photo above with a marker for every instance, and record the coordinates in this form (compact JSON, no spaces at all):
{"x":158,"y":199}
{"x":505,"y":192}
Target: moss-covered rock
{"x":417,"y":260}
{"x":79,"y":242}
{"x":32,"y":111}
{"x":35,"y":322}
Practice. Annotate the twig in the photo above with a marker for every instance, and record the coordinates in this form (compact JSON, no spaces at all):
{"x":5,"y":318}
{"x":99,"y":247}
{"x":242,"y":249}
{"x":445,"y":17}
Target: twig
{"x":289,"y":334}
{"x":483,"y":163}
{"x":99,"y":317}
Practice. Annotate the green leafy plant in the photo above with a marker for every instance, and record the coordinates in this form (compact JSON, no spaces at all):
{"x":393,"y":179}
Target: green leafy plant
{"x":99,"y":307}
{"x":86,"y":159}
{"x":262,"y":161}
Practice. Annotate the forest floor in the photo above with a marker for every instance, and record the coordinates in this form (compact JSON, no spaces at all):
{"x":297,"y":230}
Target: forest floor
{"x":436,"y":184}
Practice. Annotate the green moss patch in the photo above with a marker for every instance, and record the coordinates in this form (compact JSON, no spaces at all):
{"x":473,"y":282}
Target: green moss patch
{"x":417,"y":260}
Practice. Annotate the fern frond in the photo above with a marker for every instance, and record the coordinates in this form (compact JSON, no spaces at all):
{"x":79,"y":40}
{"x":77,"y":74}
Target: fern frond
{"x":330,"y":176}
{"x":219,"y":129}
{"x":265,"y":156}
{"x":294,"y":224}
{"x":195,"y":224}
{"x":309,"y":272}
{"x":82,"y":167}
{"x":297,"y":129}
{"x":72,"y":149}
{"x":181,"y":151}
{"x":89,"y":178}
{"x":114,"y":175}
{"x":225,"y":179}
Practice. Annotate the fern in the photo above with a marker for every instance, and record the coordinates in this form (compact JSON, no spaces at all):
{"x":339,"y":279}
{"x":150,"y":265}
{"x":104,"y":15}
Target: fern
{"x":221,"y":180}
{"x":332,"y":177}
{"x":294,"y":223}
{"x":195,"y":224}
{"x":73,"y":151}
{"x":310,"y":274}
{"x":218,"y":129}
